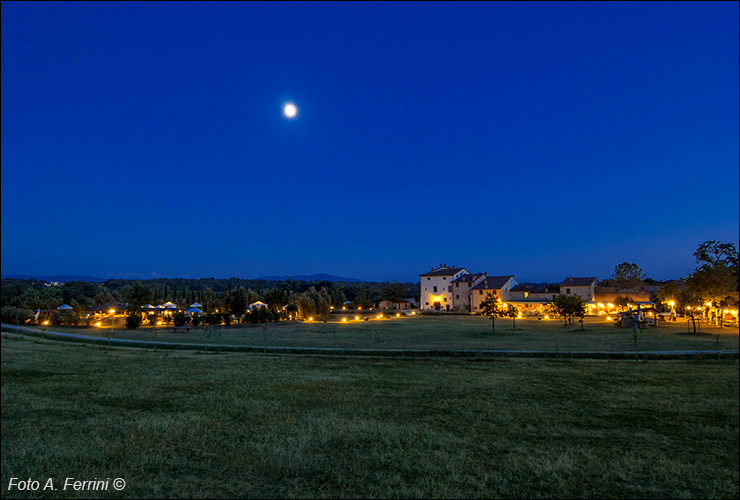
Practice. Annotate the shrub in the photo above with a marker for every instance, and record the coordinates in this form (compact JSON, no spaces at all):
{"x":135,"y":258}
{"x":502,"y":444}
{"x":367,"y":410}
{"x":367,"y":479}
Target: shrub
{"x":213,"y":319}
{"x":15,"y":315}
{"x":133,"y":321}
{"x":180,"y":319}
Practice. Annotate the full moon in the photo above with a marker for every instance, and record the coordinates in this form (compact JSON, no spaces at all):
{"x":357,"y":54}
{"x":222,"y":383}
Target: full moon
{"x":290,"y":110}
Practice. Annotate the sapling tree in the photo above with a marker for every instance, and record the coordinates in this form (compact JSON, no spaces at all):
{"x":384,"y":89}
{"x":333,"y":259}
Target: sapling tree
{"x":490,"y":307}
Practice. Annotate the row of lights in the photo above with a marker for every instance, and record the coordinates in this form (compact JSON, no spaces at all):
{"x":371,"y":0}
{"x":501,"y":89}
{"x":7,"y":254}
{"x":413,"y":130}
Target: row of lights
{"x":357,"y":318}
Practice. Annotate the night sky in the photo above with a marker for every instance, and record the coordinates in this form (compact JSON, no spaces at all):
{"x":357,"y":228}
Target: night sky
{"x":542,"y":140}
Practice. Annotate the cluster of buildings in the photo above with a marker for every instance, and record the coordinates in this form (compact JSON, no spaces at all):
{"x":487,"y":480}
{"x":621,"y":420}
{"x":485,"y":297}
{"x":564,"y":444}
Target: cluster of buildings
{"x":449,"y":288}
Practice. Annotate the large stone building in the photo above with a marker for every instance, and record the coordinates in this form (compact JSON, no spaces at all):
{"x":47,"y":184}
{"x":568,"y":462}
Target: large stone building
{"x":583,"y":287}
{"x":436,"y":288}
{"x":499,"y":286}
{"x":531,"y":298}
{"x":462,"y":288}
{"x":449,"y":288}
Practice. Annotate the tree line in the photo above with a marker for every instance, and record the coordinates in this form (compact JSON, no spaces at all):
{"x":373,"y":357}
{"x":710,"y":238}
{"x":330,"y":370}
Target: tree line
{"x":228,"y":298}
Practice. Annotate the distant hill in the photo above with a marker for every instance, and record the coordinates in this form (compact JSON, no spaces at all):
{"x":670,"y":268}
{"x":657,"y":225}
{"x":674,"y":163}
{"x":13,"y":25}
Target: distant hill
{"x":65,"y":278}
{"x":310,"y":277}
{"x":61,"y":278}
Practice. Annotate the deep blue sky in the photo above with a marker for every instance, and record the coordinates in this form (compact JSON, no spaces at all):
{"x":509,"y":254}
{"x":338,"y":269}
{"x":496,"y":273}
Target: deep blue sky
{"x":542,"y":140}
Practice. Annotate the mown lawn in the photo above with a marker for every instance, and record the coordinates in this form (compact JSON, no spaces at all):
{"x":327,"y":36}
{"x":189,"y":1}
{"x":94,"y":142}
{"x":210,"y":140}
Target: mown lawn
{"x":441,"y":333}
{"x":192,"y":424}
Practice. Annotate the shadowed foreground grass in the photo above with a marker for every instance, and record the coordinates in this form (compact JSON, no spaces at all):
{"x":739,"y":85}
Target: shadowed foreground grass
{"x":192,"y":424}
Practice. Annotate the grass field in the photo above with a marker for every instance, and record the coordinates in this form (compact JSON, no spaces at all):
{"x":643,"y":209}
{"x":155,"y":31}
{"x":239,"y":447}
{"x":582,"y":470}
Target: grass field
{"x":195,"y":424}
{"x":441,"y":333}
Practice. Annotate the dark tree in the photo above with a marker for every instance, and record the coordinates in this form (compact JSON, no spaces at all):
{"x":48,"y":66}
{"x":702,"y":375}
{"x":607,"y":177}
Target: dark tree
{"x":490,"y":307}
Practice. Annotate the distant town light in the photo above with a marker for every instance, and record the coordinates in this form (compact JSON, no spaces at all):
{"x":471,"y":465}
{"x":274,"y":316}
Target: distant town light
{"x":344,"y":320}
{"x":98,"y":323}
{"x":357,"y":317}
{"x":111,"y":311}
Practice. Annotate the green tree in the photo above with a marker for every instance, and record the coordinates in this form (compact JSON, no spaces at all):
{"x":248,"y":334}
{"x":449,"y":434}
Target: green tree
{"x":180,"y":319}
{"x":133,"y":321}
{"x":715,"y":279}
{"x":512,"y":312}
{"x":337,"y":296}
{"x":490,"y":307}
{"x":622,"y":301}
{"x":238,"y":301}
{"x":628,"y":276}
{"x":714,"y":253}
{"x":137,"y":296}
{"x":275,"y":299}
{"x":568,"y":307}
{"x":306,"y":305}
{"x":208,"y":300}
{"x":394,"y":291}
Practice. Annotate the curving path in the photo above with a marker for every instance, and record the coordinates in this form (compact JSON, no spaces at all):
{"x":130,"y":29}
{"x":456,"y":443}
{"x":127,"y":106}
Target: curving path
{"x":72,"y":337}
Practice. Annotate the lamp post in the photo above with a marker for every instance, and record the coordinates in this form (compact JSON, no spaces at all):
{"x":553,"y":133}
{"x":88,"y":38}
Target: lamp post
{"x":112,"y":319}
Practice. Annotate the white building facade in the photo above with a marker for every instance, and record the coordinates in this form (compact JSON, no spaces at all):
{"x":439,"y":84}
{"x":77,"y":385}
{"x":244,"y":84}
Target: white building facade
{"x":437,"y":288}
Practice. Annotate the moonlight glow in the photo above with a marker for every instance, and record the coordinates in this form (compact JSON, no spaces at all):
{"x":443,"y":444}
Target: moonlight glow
{"x":290,"y":110}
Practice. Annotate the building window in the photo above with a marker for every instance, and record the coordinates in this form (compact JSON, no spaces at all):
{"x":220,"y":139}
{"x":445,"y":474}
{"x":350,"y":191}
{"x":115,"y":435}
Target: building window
{"x":469,"y":285}
{"x":444,"y":278}
{"x":435,"y":290}
{"x":427,"y":303}
{"x":567,"y":291}
{"x":445,"y":299}
{"x":428,"y":279}
{"x":457,"y":296}
{"x":480,"y":292}
{"x":457,"y":285}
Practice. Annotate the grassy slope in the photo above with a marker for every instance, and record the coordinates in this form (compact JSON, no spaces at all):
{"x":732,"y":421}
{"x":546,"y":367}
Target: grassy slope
{"x":179,"y":424}
{"x":439,"y":332}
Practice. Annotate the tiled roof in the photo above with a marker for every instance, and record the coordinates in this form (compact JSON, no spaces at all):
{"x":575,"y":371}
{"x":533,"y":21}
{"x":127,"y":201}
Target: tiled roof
{"x":493,"y":283}
{"x":578,"y":281}
{"x":532,"y":288}
{"x":445,"y":271}
{"x":468,"y":278}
